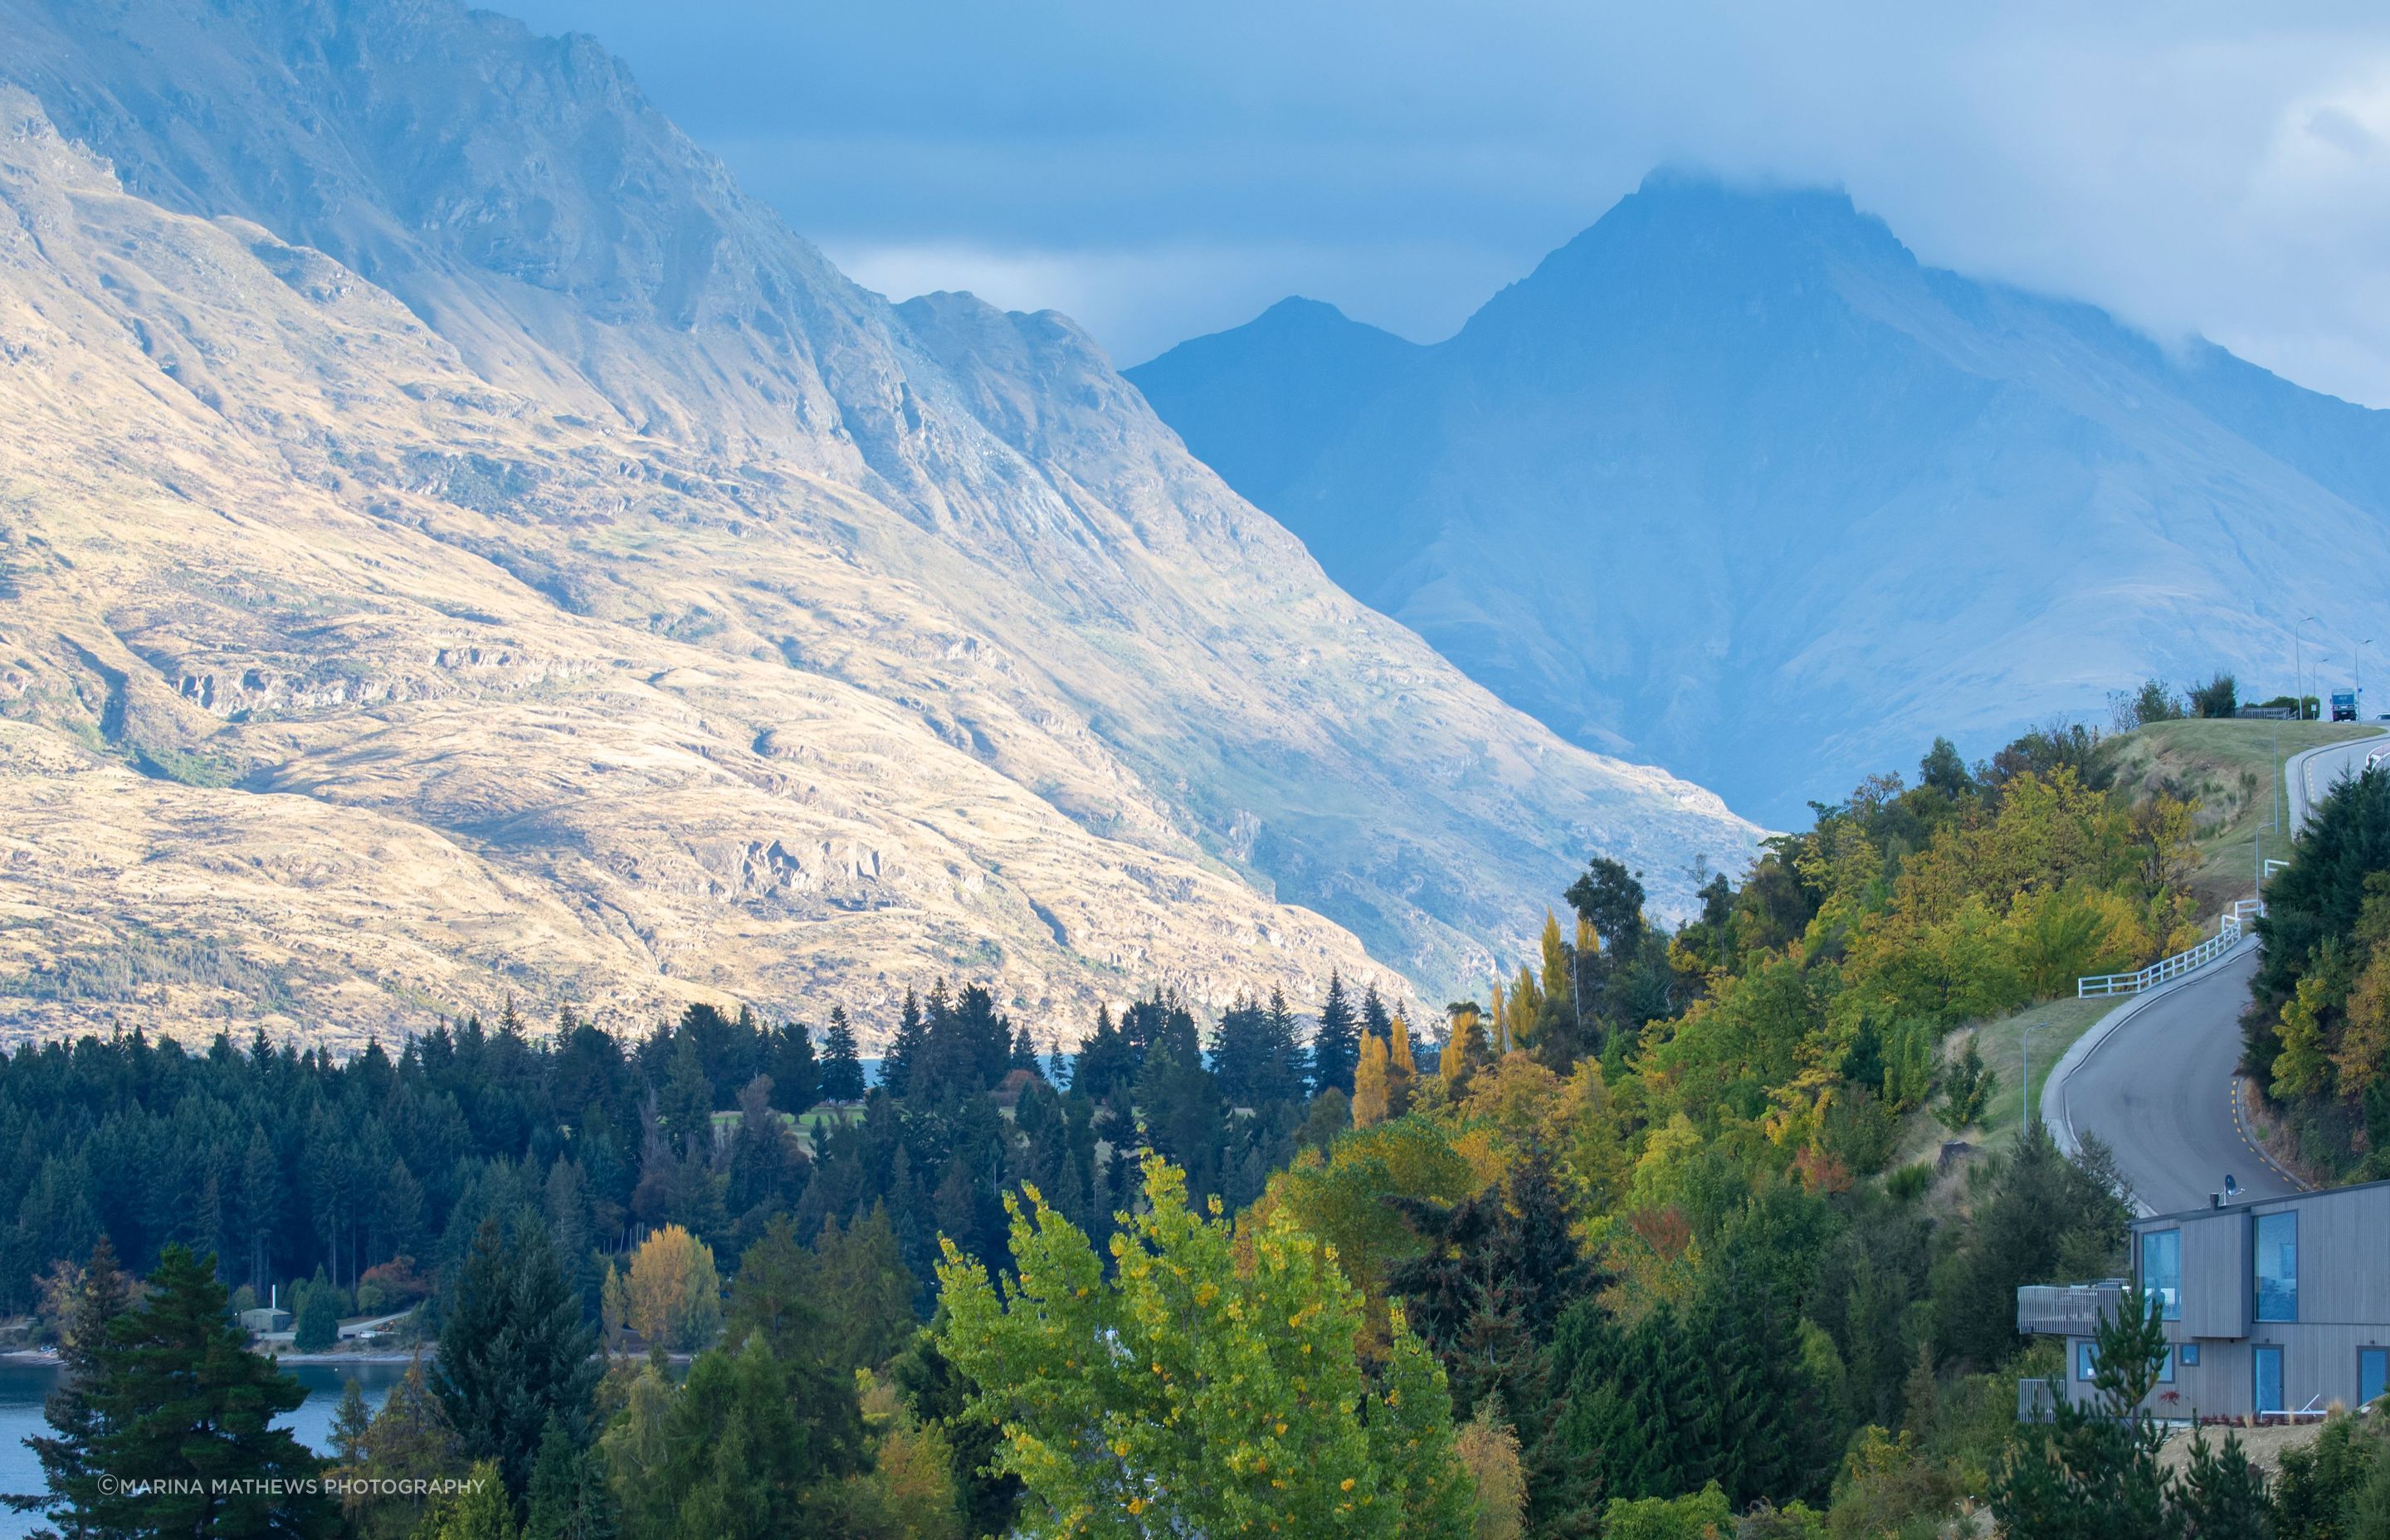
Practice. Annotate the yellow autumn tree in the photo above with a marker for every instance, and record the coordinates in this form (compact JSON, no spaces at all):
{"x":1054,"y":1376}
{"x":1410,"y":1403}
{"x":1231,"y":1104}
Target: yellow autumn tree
{"x":2365,"y":1041}
{"x":1488,"y":1450}
{"x":1371,"y":1091}
{"x":1464,"y":1046}
{"x":674,"y":1295}
{"x":1526,"y":1005}
{"x":2302,"y":1067}
{"x":615,"y":1309}
{"x":1402,"y":1070}
{"x":1556,"y":958}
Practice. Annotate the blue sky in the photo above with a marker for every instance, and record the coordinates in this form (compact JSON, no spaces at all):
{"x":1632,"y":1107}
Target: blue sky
{"x":1162,"y":171}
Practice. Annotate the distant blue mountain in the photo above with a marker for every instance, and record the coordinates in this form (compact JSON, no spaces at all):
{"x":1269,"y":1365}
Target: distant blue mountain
{"x":1734,"y":483}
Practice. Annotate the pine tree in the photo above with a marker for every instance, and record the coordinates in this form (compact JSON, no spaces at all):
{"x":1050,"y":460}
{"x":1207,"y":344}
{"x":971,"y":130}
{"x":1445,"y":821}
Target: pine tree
{"x":1282,"y":1073}
{"x":315,"y":1326}
{"x":1025,"y":1053}
{"x":2222,"y":1497}
{"x":1335,"y":1047}
{"x":514,"y":1351}
{"x":766,"y":1170}
{"x":1185,"y":1117}
{"x":568,"y":1499}
{"x":261,"y":1203}
{"x":904,"y":1054}
{"x":2093,"y":1471}
{"x":842,"y":1071}
{"x":796,"y":1076}
{"x":685,"y":1106}
{"x":1533,"y":1255}
{"x":1108,"y":1062}
{"x":187,"y":1406}
{"x":68,"y":1458}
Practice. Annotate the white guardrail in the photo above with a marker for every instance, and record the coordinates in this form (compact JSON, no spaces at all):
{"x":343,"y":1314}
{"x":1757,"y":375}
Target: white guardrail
{"x":2228,"y":931}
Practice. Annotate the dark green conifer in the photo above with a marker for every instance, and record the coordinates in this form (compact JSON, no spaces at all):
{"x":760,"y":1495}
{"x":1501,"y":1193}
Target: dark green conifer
{"x":842,"y":1071}
{"x":1336,"y":1046}
{"x":182,"y":1404}
{"x":514,"y":1351}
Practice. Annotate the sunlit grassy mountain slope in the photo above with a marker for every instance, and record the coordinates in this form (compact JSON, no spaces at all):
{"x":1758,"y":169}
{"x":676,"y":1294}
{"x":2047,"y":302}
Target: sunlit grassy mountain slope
{"x":455,"y":545}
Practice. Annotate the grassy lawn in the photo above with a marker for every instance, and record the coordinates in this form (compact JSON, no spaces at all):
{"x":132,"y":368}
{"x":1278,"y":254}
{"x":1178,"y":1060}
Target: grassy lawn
{"x":2057,"y":1024}
{"x":2233,"y":770}
{"x":809,"y":1123}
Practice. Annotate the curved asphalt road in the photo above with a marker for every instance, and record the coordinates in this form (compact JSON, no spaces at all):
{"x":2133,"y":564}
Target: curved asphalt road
{"x":2155,"y":1080}
{"x":2160,"y":1090}
{"x":2312,"y":773}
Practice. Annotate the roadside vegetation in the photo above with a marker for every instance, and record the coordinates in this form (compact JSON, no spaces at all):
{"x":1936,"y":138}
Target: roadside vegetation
{"x":2317,"y":1031}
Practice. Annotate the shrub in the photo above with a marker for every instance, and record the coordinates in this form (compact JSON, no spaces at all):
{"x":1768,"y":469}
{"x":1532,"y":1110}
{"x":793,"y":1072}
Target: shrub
{"x":1700,"y":1516}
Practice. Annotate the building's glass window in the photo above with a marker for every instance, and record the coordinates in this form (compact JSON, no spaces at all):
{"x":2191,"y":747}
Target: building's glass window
{"x":2270,"y":1379}
{"x":2188,"y":1354}
{"x":2161,"y":1270}
{"x":2086,"y":1360}
{"x":2277,"y":1266}
{"x":2165,"y":1369}
{"x":2372,"y":1375}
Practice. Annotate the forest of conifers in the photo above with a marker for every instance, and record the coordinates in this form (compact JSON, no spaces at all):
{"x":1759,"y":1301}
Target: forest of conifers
{"x":1627,"y":1248}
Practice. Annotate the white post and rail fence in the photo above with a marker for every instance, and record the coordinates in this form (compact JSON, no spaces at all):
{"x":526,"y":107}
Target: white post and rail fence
{"x":2228,"y":934}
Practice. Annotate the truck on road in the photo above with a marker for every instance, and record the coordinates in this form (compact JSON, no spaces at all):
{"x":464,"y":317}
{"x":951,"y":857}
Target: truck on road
{"x":2343,"y":705}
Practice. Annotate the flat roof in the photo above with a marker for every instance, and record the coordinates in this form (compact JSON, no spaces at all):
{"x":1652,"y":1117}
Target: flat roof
{"x":2256,"y":1202}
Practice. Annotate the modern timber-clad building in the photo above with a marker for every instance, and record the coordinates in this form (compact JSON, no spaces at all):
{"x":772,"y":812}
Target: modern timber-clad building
{"x":2280,"y":1305}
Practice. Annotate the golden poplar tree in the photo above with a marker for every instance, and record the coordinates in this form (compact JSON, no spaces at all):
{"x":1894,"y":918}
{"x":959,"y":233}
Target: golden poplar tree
{"x":1556,"y":958}
{"x":1526,"y":1004}
{"x":1464,"y":1047}
{"x":674,"y":1295}
{"x":1372,"y":1097}
{"x":1402,"y":1070}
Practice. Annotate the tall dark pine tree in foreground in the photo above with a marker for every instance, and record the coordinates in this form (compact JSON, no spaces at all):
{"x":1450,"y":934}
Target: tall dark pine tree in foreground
{"x":1336,"y":1048}
{"x":181,"y":1415}
{"x":515,"y":1352}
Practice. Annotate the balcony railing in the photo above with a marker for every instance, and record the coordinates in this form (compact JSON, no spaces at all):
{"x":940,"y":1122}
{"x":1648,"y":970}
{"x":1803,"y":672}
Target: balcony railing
{"x":2067,"y":1309}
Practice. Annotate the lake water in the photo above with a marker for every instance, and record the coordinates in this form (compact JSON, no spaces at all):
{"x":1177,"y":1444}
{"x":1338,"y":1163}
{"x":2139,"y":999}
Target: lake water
{"x":23,"y":1386}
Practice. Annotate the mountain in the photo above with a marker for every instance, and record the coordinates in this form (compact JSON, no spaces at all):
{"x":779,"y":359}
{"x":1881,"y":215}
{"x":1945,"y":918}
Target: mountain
{"x":454,"y":546}
{"x":1733,"y":482}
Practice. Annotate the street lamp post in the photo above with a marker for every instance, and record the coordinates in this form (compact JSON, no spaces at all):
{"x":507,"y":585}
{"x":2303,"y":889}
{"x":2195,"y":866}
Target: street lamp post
{"x":2025,"y":1077}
